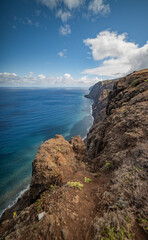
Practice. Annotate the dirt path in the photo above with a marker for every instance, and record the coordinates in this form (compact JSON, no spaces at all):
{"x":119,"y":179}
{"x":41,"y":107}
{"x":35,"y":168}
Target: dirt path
{"x":70,"y":211}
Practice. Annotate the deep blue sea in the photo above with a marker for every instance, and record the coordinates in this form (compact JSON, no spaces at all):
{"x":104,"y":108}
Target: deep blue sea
{"x":29,"y":116}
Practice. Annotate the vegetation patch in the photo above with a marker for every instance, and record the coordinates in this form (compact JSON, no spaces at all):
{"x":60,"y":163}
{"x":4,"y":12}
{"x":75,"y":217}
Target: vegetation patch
{"x":75,"y":184}
{"x":39,"y":205}
{"x":135,"y":82}
{"x":144,"y":223}
{"x":87,"y":180}
{"x":53,"y":187}
{"x":112,"y":233}
{"x":59,"y":148}
{"x":14,"y":215}
{"x":108,"y":165}
{"x":97,"y":174}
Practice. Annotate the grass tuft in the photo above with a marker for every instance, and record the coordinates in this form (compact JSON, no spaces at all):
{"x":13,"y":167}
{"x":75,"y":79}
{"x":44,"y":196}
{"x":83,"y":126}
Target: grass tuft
{"x":75,"y":184}
{"x":87,"y":180}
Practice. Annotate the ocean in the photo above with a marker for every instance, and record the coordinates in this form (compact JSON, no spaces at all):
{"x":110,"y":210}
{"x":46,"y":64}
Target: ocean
{"x":28,"y":117}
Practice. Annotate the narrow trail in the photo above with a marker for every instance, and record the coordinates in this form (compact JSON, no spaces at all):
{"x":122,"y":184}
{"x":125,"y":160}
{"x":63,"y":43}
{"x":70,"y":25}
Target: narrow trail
{"x":72,"y":209}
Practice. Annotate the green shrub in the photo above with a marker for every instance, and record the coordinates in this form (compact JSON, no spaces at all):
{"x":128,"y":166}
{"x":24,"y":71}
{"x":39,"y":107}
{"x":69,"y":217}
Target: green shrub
{"x":87,"y":180}
{"x":75,"y":184}
{"x":108,"y":165}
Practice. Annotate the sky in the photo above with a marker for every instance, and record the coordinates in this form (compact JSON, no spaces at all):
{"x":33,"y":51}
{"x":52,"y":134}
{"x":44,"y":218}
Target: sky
{"x":71,"y":43}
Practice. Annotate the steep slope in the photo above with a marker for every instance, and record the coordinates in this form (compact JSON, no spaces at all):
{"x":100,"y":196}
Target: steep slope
{"x":119,"y":147}
{"x":95,"y":191}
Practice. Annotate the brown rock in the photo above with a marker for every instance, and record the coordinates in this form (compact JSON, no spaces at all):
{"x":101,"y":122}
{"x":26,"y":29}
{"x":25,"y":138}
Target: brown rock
{"x":54,"y":162}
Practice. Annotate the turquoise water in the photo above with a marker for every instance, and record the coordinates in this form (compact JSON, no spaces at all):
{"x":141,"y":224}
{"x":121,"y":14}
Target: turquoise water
{"x":27,"y":118}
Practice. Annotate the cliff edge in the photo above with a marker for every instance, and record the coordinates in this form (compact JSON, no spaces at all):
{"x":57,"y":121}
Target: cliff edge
{"x":97,"y":190}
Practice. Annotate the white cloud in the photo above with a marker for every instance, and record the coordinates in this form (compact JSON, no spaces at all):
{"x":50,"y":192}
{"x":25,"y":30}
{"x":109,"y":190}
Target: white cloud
{"x":68,"y":76}
{"x":119,"y":56}
{"x":41,"y":76}
{"x":30,"y":80}
{"x":73,"y":3}
{"x":63,"y":15}
{"x":29,"y":22}
{"x":5,"y":74}
{"x":98,"y":6}
{"x":65,"y":30}
{"x":49,"y":3}
{"x":68,"y":3}
{"x":63,"y":53}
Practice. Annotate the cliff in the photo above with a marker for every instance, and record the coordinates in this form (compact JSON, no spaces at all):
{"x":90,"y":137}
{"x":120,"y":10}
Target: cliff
{"x":99,"y":93}
{"x":97,"y":190}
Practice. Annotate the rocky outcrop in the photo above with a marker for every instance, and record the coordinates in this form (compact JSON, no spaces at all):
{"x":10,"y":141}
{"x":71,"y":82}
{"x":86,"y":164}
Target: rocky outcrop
{"x":55,"y":161}
{"x":97,"y":190}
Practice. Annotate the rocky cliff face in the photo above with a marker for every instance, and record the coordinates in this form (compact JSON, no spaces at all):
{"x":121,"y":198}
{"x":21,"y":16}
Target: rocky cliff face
{"x":119,"y":147}
{"x":99,"y":93}
{"x":97,"y":190}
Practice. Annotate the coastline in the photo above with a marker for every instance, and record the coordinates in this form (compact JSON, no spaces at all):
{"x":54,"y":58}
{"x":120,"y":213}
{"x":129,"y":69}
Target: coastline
{"x":26,"y":187}
{"x":19,"y":195}
{"x":91,"y":112}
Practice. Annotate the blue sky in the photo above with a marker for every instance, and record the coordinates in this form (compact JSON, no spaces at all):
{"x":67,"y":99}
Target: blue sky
{"x":71,"y":43}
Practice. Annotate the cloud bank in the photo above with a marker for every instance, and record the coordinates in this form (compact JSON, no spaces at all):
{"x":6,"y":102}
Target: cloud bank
{"x":119,"y":56}
{"x":30,"y":80}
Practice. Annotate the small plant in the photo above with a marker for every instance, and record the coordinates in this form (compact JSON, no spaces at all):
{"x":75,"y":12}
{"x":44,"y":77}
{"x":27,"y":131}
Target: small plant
{"x":143,"y":220}
{"x":127,"y":218}
{"x":143,"y":223}
{"x":53,"y":187}
{"x":75,"y":184}
{"x":14,"y":214}
{"x":97,"y":174}
{"x":60,"y":148}
{"x":133,"y":83}
{"x":87,"y":180}
{"x":108,"y":165}
{"x":116,"y":207}
{"x":146,"y":80}
{"x":123,"y":109}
